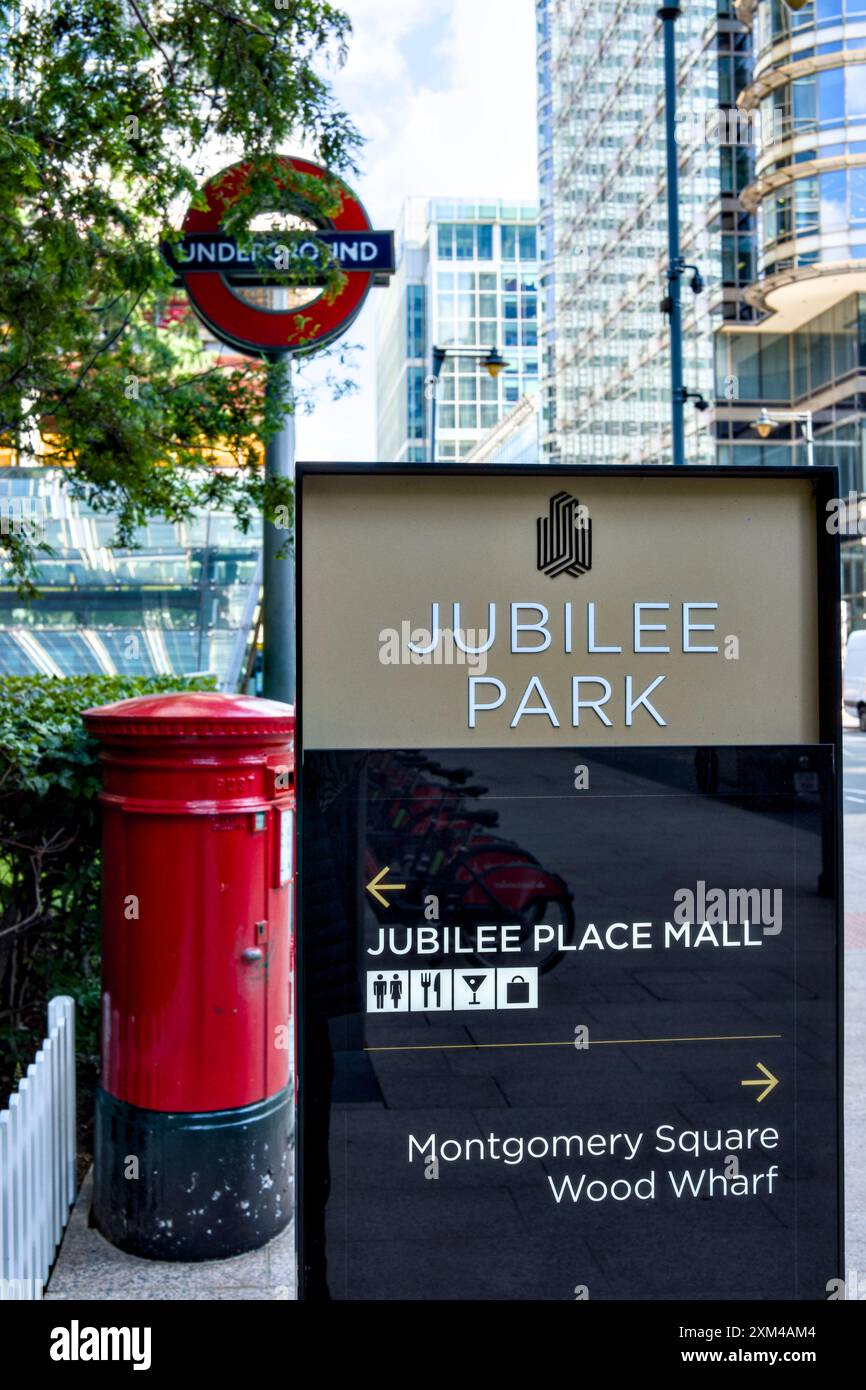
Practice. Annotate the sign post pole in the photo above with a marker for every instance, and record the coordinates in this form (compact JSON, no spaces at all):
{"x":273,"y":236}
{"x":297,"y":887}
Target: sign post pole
{"x":278,"y":596}
{"x":278,"y":600}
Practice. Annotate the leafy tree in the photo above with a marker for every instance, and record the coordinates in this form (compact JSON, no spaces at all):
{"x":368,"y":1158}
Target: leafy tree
{"x":50,"y":854}
{"x":110,"y":111}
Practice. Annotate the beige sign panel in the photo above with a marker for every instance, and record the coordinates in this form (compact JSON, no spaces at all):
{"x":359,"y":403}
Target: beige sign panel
{"x":564,"y":609}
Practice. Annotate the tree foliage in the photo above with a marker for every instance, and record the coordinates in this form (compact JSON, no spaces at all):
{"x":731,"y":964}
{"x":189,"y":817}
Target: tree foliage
{"x":111,"y":112}
{"x":50,"y":852}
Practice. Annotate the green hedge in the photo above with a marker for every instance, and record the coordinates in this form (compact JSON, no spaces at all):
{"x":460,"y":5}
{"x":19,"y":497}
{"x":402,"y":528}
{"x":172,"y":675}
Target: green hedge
{"x":49,"y":855}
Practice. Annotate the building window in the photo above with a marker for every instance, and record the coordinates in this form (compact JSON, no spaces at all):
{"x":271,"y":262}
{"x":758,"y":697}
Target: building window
{"x":484,"y":242}
{"x":831,"y":96}
{"x":759,"y":364}
{"x":822,"y":101}
{"x":735,"y":166}
{"x":416,"y":328}
{"x":828,"y":203}
{"x":828,"y":11}
{"x":833,"y":199}
{"x":415,"y":403}
{"x":519,"y":243}
{"x":464,"y":241}
{"x":857,"y":194}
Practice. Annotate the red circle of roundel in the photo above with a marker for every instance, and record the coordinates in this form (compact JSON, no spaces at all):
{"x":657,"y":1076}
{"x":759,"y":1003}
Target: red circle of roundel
{"x":255,"y":330}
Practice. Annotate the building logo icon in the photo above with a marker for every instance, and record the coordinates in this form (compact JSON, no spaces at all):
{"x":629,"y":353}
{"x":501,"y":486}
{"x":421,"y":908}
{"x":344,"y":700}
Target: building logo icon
{"x":565,"y":537}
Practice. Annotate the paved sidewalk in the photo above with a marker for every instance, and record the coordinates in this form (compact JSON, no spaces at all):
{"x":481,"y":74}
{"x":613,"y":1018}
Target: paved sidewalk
{"x":89,"y":1268}
{"x":855,"y":1112}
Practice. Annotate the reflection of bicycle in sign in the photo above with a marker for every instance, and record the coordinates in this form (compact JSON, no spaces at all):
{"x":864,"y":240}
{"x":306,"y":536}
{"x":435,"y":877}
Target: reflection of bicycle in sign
{"x":423,"y":821}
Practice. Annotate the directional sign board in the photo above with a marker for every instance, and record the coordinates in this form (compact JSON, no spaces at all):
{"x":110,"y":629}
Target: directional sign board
{"x":569,"y":944}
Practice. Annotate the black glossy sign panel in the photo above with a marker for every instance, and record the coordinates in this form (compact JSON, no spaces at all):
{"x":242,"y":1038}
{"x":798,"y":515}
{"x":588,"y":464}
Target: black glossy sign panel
{"x":568,"y":949}
{"x":569,"y":1024}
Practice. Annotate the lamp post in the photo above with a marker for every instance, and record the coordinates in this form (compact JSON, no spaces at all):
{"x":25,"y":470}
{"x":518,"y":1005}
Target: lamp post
{"x":493,"y":361}
{"x":669,"y":14}
{"x":766,"y":423}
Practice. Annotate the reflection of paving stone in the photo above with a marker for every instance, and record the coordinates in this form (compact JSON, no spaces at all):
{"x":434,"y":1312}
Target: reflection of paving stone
{"x":436,"y":1212}
{"x":88,"y":1267}
{"x":502,"y":1269}
{"x":751,"y":1270}
{"x":521,"y":1088}
{"x":690,"y":985}
{"x":388,"y":1065}
{"x":445,"y":1091}
{"x":855,"y":1112}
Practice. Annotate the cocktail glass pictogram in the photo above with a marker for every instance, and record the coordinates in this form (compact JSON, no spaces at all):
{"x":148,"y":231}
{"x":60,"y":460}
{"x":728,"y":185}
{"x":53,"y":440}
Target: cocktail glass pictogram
{"x":474,"y":982}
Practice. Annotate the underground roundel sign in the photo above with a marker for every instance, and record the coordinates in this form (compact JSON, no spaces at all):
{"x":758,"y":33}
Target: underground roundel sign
{"x":210,"y":264}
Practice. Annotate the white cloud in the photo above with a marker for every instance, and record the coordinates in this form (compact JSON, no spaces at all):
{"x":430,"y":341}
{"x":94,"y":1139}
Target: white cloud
{"x":444,"y":92}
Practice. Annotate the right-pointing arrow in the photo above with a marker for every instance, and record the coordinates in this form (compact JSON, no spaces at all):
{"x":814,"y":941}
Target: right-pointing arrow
{"x":768,"y":1081}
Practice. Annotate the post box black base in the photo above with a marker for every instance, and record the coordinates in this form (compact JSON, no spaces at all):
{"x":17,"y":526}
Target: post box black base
{"x":208,"y":1185}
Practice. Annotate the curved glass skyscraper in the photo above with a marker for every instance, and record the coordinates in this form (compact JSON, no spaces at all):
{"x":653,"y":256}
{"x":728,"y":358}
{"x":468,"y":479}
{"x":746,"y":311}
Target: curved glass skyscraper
{"x":809,"y":190}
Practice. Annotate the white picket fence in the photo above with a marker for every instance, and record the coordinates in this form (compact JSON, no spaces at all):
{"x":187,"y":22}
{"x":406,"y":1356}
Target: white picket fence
{"x":37,"y":1160}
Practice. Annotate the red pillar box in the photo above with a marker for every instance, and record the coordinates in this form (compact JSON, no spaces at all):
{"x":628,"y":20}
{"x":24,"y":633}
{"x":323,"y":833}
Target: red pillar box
{"x":193,"y":1116}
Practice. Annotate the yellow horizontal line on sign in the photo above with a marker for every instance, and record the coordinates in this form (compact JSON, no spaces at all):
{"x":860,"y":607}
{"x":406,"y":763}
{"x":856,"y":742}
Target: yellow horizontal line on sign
{"x":599,"y":1042}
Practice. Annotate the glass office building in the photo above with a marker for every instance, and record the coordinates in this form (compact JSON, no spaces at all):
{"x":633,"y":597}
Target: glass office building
{"x":466,"y":282}
{"x":772,"y":150}
{"x":603,"y":221}
{"x":808,"y":352}
{"x":184,"y":600}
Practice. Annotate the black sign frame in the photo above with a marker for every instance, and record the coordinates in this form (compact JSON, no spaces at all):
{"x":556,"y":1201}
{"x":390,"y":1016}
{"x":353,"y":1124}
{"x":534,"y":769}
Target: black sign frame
{"x":826,"y":484}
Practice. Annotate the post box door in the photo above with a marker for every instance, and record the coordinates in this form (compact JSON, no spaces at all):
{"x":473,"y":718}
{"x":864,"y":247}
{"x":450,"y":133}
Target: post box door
{"x":185,"y":1023}
{"x":280,"y":890}
{"x":244,"y":962}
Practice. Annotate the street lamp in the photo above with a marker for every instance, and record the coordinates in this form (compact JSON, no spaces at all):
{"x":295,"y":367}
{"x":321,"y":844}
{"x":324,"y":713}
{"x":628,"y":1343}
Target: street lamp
{"x":677,"y":267}
{"x":493,"y":361}
{"x":766,"y":423}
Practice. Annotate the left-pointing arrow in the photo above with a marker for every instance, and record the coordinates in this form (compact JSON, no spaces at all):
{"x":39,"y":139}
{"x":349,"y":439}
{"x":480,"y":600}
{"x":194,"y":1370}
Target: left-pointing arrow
{"x":377,"y":888}
{"x":768,"y":1081}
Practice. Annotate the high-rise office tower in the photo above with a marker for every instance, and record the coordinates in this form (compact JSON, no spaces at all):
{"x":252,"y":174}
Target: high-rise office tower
{"x":602,"y":172}
{"x":807,"y":354}
{"x":467,"y":284}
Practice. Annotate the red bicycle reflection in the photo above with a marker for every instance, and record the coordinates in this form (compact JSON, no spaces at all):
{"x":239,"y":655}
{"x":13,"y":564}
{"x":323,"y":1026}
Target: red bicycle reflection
{"x":424,"y":822}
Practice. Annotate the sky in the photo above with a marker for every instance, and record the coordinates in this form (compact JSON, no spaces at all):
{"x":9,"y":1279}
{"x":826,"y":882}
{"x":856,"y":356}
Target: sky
{"x":444,"y":93}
